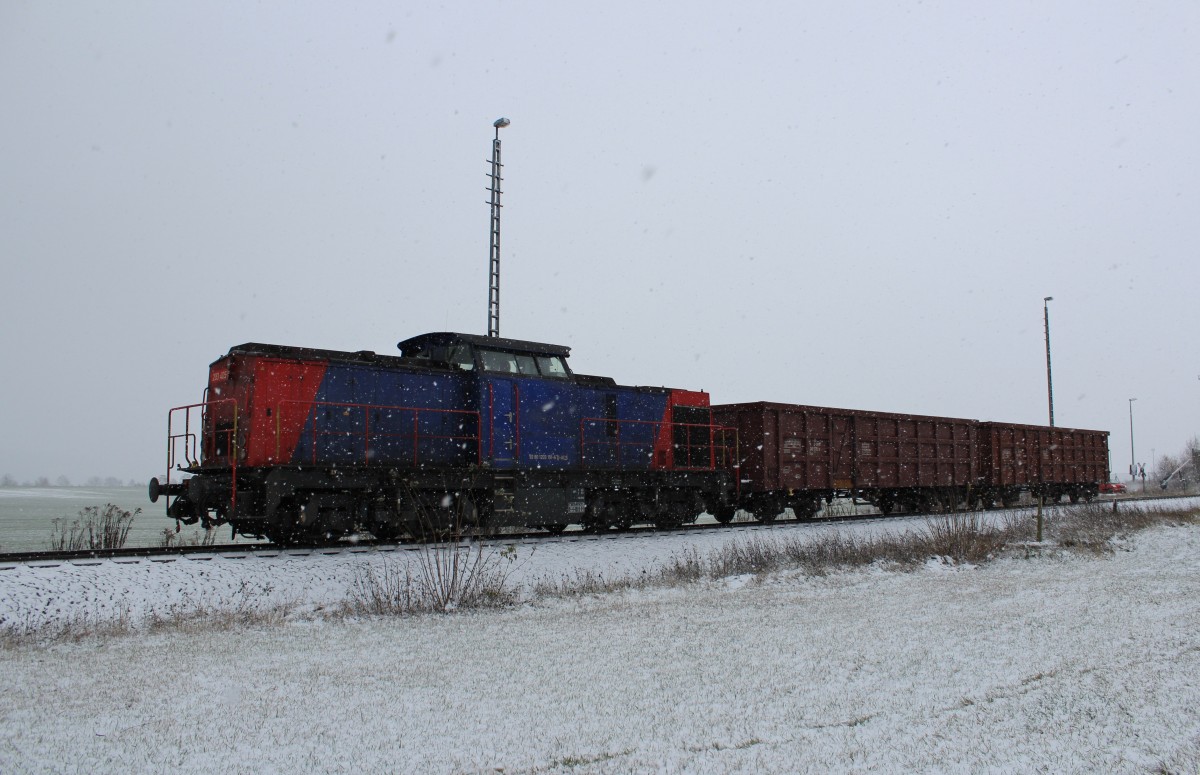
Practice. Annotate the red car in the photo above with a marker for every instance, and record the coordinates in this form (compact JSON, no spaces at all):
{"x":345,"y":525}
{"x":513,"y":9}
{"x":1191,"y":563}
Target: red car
{"x":1111,"y":488}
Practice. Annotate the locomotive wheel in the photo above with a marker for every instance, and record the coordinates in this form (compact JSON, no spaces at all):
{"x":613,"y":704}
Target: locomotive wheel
{"x":623,"y":516}
{"x":670,"y":516}
{"x":385,"y":531}
{"x":724,"y":514}
{"x":555,"y":529}
{"x":285,"y":529}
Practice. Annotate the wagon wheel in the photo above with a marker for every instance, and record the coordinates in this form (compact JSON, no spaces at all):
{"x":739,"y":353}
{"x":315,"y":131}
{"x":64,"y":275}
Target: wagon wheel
{"x":805,"y":509}
{"x":767,"y":509}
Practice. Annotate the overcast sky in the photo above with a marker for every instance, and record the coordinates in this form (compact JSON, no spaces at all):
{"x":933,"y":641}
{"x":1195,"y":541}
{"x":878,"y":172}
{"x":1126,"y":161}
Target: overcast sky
{"x":845,"y":204}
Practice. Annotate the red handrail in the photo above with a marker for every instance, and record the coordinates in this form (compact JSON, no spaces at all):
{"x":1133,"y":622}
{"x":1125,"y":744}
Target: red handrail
{"x":193,"y":453}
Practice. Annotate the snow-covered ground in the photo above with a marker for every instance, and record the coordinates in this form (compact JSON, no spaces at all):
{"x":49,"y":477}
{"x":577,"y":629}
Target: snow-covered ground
{"x":1055,"y":663}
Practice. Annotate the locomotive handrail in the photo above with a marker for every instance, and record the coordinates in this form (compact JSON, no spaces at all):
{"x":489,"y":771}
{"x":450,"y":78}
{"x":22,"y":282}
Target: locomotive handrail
{"x":607,"y":423}
{"x":193,"y":453}
{"x":310,"y":420}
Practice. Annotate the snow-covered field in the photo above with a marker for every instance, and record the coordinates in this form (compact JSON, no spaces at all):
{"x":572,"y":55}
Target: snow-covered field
{"x":1053,"y":663}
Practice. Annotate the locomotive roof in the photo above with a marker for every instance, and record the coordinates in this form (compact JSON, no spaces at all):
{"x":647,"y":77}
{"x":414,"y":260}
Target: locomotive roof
{"x":287,"y":351}
{"x":442,"y":338}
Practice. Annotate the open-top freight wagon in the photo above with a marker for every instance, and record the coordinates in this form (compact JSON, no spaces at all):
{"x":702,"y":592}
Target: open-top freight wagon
{"x":793,"y":456}
{"x":1049,"y":462}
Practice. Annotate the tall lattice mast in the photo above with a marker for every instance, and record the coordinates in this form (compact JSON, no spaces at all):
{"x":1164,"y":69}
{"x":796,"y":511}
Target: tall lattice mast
{"x":494,"y":260}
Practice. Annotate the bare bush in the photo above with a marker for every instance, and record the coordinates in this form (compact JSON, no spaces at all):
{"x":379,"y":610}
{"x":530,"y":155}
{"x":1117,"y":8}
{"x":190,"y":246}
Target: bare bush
{"x":438,"y":579}
{"x":963,"y":536}
{"x":94,"y":529}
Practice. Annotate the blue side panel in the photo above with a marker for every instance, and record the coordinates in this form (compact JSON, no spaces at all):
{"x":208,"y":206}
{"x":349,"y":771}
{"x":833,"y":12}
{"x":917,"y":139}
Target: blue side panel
{"x":549,"y":423}
{"x":622,"y":428}
{"x":363,"y":414}
{"x":367,"y":415}
{"x":554,"y":424}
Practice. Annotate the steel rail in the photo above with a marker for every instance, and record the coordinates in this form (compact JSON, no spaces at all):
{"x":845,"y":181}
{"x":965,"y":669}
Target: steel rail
{"x":162,"y":554}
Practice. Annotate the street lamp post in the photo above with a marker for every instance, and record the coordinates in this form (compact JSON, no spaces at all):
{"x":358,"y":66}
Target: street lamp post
{"x":1049,"y":382}
{"x":1132,"y":456}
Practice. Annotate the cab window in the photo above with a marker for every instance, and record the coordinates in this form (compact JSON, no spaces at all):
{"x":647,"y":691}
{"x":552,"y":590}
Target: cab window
{"x":552,"y":366}
{"x":526,"y":365}
{"x":461,"y":358}
{"x":504,"y":363}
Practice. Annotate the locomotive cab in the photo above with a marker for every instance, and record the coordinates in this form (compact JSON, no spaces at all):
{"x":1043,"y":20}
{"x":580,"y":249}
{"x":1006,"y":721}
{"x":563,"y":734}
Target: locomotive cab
{"x":488,"y":354}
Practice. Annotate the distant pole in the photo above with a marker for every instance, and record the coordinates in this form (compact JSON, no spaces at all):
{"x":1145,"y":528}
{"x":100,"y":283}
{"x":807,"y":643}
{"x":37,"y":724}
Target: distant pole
{"x":494,"y":257}
{"x":1132,"y":456}
{"x":1041,"y":498}
{"x":1049,"y":382}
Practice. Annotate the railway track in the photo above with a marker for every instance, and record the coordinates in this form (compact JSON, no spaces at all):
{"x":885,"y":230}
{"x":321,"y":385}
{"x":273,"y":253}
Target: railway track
{"x":85,"y":557}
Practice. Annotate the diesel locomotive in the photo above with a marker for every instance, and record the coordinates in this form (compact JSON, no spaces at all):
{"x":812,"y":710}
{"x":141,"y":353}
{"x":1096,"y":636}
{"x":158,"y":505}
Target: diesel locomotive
{"x":296,"y":444}
{"x":472,"y":432}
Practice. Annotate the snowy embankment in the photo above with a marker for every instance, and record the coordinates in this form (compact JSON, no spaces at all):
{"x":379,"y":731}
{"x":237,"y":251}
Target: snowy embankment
{"x":1059,"y":663}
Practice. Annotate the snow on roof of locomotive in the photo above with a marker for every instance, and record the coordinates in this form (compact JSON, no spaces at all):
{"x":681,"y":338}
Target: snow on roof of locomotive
{"x":443,"y":338}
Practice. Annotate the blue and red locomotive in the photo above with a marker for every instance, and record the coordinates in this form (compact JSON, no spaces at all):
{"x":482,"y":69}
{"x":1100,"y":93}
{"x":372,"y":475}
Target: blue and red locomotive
{"x":463,"y":431}
{"x":301,"y":444}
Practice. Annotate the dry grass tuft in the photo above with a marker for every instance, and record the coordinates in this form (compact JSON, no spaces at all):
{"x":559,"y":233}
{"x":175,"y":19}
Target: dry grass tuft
{"x":169,"y":538}
{"x":1097,"y":526}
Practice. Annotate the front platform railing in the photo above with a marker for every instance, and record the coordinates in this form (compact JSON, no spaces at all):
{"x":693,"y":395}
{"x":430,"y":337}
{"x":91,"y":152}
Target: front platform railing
{"x":203,"y":433}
